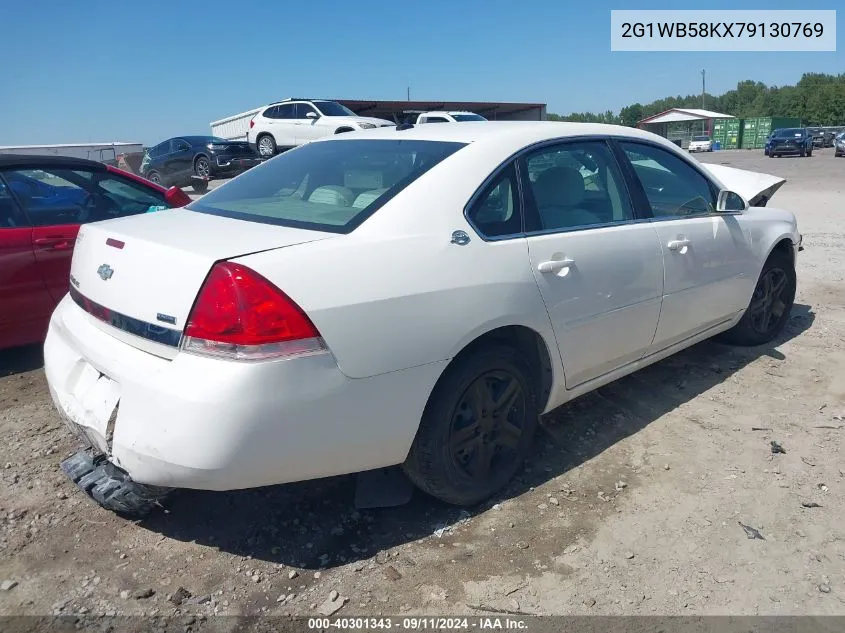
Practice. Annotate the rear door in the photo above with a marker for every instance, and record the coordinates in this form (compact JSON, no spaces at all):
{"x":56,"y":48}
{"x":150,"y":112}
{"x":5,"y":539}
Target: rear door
{"x":598,"y":266}
{"x":25,"y":304}
{"x":284,"y":125}
{"x":57,"y":201}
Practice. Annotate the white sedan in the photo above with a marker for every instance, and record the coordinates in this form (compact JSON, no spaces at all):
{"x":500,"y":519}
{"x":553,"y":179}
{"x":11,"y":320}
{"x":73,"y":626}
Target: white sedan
{"x":413,"y":296}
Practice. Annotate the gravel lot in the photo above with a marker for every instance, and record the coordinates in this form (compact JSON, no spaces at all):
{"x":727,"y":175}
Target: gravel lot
{"x":634,"y":504}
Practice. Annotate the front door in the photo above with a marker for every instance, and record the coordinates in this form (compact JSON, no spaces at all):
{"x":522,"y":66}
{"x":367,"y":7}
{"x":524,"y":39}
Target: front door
{"x":708,"y":259}
{"x":307,"y":128}
{"x":598,"y":266}
{"x":179,"y":163}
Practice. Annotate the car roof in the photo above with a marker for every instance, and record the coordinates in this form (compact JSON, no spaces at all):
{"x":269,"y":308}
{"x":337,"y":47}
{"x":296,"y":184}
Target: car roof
{"x":28,"y":161}
{"x":449,"y":112}
{"x":492,"y":132}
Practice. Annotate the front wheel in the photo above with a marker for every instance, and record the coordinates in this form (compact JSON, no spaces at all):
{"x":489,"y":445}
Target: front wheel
{"x":477,"y":427}
{"x":770,"y":305}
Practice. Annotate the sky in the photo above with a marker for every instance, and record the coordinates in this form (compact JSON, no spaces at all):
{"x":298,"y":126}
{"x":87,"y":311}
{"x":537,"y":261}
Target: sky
{"x":104,"y":70}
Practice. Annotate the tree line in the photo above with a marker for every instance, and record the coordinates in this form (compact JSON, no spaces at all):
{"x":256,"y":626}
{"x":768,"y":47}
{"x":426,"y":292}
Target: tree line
{"x":817,"y":99}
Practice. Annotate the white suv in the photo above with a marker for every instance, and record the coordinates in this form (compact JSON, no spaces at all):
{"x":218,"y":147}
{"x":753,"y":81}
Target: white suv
{"x":293,"y":122}
{"x":449,"y":117}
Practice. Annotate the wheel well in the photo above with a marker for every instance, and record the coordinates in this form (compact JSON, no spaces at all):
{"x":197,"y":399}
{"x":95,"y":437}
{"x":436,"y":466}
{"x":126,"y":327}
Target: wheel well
{"x":343,"y":129}
{"x":785,"y":248}
{"x":198,"y":156}
{"x":527,"y":342}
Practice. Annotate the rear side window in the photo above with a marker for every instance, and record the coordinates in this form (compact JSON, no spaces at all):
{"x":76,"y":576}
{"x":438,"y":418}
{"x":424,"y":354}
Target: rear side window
{"x":286,"y":111}
{"x":325,"y":186}
{"x":436,"y":119}
{"x":61,"y":196}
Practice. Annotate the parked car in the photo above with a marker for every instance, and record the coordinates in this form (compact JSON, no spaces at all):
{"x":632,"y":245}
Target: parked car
{"x":701,"y":144}
{"x":817,"y":135}
{"x":195,"y":160}
{"x":293,"y":122}
{"x":43,"y":201}
{"x":413,"y":296}
{"x":449,"y":117}
{"x":839,"y":144}
{"x":791,"y":140}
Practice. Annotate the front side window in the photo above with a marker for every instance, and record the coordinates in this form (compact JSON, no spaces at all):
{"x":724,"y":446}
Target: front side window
{"x":574,"y":185}
{"x":495,"y":212}
{"x":62,"y":196}
{"x":326,"y":186}
{"x":333,"y":108}
{"x":10,"y":217}
{"x":180,"y":146}
{"x":436,"y":119}
{"x":672,"y":186}
{"x":302,"y":110}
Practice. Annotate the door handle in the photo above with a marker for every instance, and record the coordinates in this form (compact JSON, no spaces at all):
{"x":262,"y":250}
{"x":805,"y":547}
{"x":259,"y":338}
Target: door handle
{"x":555,"y":265}
{"x":677,"y":245}
{"x":53,"y":243}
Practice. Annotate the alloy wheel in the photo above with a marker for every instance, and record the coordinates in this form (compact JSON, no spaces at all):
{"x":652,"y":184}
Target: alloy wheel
{"x":487,"y":426}
{"x":768,"y":303}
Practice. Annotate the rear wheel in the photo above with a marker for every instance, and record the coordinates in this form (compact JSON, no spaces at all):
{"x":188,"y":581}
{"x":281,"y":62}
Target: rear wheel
{"x":199,"y":186}
{"x":810,"y":152}
{"x":477,"y":428}
{"x":154,"y":177}
{"x":202,"y":167}
{"x":266,"y":146}
{"x":770,"y":305}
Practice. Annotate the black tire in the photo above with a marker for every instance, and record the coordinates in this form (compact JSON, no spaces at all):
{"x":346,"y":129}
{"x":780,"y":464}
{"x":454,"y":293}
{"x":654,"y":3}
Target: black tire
{"x":810,"y":153}
{"x":153,"y":176}
{"x":448,"y":461}
{"x":803,"y":153}
{"x":755,"y":328}
{"x":265,"y":144}
{"x":199,"y":186}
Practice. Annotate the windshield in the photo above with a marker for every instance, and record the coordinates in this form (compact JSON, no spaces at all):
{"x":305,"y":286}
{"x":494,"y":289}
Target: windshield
{"x":333,"y":108}
{"x":468,"y":117}
{"x":790,"y":132}
{"x":326,"y":186}
{"x":701,"y":138}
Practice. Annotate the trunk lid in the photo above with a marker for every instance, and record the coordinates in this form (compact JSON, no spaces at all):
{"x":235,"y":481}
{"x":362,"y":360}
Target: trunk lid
{"x":149,"y":268}
{"x":757,"y":188}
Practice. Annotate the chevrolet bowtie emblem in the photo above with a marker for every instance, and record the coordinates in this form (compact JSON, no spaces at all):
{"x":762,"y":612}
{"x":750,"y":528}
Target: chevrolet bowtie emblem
{"x":105,"y":272}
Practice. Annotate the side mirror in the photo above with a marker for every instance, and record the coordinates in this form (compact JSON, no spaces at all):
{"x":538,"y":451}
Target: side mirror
{"x":176,"y":197}
{"x":311,"y":115}
{"x":730,"y":202}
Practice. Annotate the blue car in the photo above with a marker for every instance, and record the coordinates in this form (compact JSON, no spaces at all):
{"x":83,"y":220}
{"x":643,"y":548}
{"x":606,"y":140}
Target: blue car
{"x":791,"y":140}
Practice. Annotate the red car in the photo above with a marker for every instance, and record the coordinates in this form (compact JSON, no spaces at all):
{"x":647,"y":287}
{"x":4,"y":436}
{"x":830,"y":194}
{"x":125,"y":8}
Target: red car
{"x":43,"y":201}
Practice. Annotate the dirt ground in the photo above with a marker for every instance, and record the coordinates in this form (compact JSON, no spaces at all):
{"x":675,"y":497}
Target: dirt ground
{"x":634,"y":504}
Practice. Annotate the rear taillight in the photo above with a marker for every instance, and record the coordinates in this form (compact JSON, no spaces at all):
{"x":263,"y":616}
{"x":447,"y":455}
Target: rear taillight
{"x":252,"y":123}
{"x":240,"y":315}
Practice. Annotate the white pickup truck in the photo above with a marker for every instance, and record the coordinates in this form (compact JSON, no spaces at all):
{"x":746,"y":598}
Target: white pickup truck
{"x":448,"y":117}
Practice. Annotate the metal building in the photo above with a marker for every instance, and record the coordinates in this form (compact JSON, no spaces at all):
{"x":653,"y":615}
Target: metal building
{"x":234,"y":127}
{"x":679,"y":125}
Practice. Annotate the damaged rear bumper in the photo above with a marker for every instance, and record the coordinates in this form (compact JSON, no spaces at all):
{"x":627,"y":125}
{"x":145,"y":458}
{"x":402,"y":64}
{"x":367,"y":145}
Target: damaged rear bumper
{"x":110,"y":486}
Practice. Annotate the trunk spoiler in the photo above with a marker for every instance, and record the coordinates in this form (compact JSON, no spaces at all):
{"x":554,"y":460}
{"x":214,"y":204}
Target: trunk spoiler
{"x":755,"y":187}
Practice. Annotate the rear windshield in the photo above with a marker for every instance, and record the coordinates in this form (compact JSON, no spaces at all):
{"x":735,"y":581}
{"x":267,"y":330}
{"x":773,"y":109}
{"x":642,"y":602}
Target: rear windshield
{"x":325,"y":186}
{"x":701,"y":138}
